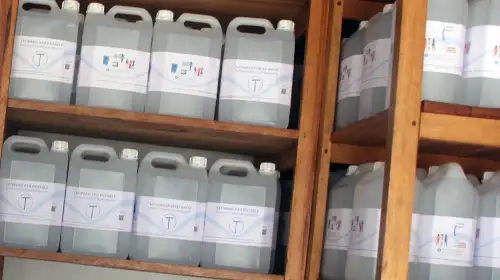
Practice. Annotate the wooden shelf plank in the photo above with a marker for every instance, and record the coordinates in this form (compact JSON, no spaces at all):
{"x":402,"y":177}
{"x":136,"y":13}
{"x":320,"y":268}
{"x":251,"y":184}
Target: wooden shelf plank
{"x":135,"y":265}
{"x":368,"y":132}
{"x":361,"y":9}
{"x":151,"y":128}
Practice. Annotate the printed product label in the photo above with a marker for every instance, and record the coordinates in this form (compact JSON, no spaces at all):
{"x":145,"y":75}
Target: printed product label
{"x":338,"y":228}
{"x":184,"y":73}
{"x":365,"y":227}
{"x":239,"y":224}
{"x":31,"y":202}
{"x":415,"y":221}
{"x":260,"y":81}
{"x":98,"y":209}
{"x":376,"y":56}
{"x":169,"y":218}
{"x":114,"y":68}
{"x":43,"y":59}
{"x":444,"y":47}
{"x":446,"y":240}
{"x":482,"y":52}
{"x":351,"y":71}
{"x":487,"y":252}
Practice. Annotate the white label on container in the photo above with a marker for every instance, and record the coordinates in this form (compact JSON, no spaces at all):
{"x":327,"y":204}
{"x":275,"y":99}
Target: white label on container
{"x":260,"y":81}
{"x":169,"y":218}
{"x":43,"y":59}
{"x":338,"y":228}
{"x":444,"y":47}
{"x":487,"y":252}
{"x":31,"y":202}
{"x":98,"y":209}
{"x":351,"y":71}
{"x":376,"y":56}
{"x":482,"y":52}
{"x":184,"y":73}
{"x":446,"y":240}
{"x":239,"y":224}
{"x":365,"y":227}
{"x":415,"y":221}
{"x":114,"y":68}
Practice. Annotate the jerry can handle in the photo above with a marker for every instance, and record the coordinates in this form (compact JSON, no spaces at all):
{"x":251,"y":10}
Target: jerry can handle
{"x":233,"y":163}
{"x":210,"y":20}
{"x":13,"y":140}
{"x":151,"y":156}
{"x":51,"y":3}
{"x":104,"y":150}
{"x":140,"y":12}
{"x":257,"y":22}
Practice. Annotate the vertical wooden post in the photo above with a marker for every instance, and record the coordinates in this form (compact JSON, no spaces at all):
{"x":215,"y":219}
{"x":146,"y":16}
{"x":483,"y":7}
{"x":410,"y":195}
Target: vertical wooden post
{"x":312,"y":90}
{"x":320,"y":196}
{"x":8,"y":10}
{"x":402,"y":144}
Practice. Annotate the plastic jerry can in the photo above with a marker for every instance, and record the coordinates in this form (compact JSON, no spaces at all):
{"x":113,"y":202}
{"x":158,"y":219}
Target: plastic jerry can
{"x":480,"y":70}
{"x":376,"y":64}
{"x":447,"y":227}
{"x":43,"y":62}
{"x":170,"y":209}
{"x":33,"y":182}
{"x":338,"y":218}
{"x":239,"y":221}
{"x":185,"y":64}
{"x":363,"y":247}
{"x":66,"y":4}
{"x":444,"y":50}
{"x":350,"y":76}
{"x":99,"y":202}
{"x":487,"y":255}
{"x":473,"y":179}
{"x":257,"y":73}
{"x":115,"y":59}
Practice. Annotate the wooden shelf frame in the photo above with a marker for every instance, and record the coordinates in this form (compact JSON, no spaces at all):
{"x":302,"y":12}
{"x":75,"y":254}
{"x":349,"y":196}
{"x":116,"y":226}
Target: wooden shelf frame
{"x":302,"y":143}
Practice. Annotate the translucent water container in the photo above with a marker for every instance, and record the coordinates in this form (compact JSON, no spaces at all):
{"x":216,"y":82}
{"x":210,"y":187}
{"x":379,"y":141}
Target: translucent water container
{"x":185,"y":66}
{"x":169,"y":214}
{"x":115,"y":60}
{"x":43,"y":64}
{"x":257,"y":73}
{"x":33,"y":182}
{"x":99,"y":202}
{"x":240,"y":217}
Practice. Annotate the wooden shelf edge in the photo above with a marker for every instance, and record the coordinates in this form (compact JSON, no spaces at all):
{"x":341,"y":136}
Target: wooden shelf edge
{"x":351,"y":154}
{"x":360,"y":9}
{"x":139,"y":117}
{"x":460,"y":129}
{"x":151,"y":128}
{"x":368,"y":132}
{"x":135,"y":265}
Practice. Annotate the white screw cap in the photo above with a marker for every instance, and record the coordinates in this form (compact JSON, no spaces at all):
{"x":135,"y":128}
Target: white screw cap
{"x":363,"y":24}
{"x":351,"y":169}
{"x":59,"y":146}
{"x":432,"y":169}
{"x":95,"y":8}
{"x":286,"y":24}
{"x":129,"y":154}
{"x":165,"y":15}
{"x":198,"y":162}
{"x":71,"y":5}
{"x":267,"y":167}
{"x":487,"y":175}
{"x":388,"y":8}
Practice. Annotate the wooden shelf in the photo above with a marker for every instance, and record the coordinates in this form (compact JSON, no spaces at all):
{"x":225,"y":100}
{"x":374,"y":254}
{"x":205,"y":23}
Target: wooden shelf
{"x":361,"y":9}
{"x":135,"y":265}
{"x":447,"y":133}
{"x":151,"y":128}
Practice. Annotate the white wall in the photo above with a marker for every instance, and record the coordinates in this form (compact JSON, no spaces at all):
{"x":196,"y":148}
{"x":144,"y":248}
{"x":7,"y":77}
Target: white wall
{"x":22,"y":269}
